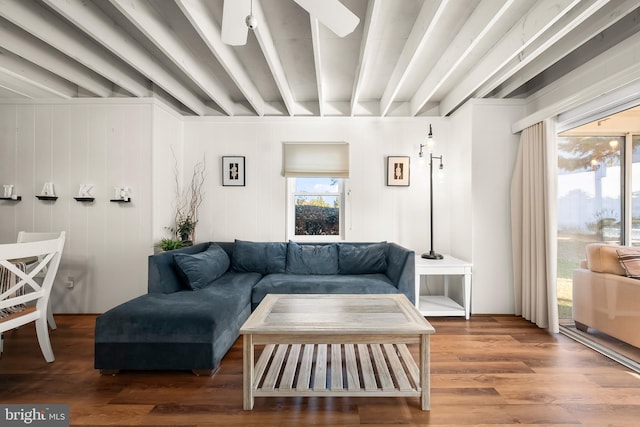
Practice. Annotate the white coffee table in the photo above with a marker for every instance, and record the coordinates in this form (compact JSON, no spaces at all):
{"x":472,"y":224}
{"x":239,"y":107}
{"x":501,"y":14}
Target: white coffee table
{"x":336,"y":345}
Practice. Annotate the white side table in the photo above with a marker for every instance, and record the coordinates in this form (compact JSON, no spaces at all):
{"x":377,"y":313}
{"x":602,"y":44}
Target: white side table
{"x":442,"y":305}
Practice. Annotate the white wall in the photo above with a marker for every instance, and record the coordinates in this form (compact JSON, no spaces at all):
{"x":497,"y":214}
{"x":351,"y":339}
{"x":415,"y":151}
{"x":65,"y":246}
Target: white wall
{"x":487,"y":145}
{"x":374,"y":212}
{"x":130,"y":143}
{"x":167,"y":156}
{"x":105,"y":143}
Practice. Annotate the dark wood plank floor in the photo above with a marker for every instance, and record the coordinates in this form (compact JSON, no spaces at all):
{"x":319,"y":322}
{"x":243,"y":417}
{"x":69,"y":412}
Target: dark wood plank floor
{"x":491,"y":370}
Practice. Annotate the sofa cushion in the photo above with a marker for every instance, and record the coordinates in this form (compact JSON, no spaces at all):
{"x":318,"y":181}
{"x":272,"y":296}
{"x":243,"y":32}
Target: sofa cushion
{"x":630,"y":261}
{"x":603,"y":258}
{"x":199,"y":270}
{"x":259,"y":257}
{"x":312,"y":259}
{"x":362,"y":258}
{"x":322,"y":284}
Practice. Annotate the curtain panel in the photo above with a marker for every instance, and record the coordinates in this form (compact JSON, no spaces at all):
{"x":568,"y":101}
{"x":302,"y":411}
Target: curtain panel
{"x":534,"y":226}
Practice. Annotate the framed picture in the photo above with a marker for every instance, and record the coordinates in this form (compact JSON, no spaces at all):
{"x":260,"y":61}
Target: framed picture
{"x":398,"y":171}
{"x":233,"y":171}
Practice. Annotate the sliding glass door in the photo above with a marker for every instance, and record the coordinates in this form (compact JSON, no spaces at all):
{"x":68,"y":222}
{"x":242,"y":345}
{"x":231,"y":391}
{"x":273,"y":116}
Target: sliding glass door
{"x":590,"y":202}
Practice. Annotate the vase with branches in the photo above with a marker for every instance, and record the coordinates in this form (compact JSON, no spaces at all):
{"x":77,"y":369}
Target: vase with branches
{"x":188,"y":201}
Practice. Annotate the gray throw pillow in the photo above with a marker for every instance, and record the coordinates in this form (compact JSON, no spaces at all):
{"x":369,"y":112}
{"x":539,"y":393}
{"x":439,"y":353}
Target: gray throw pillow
{"x":259,"y":257}
{"x":362,"y":258}
{"x":200,"y":269}
{"x":312,"y":259}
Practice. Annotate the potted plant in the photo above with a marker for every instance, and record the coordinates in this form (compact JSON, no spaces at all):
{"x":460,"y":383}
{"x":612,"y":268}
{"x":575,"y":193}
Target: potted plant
{"x":185,"y":226}
{"x":170,"y":244}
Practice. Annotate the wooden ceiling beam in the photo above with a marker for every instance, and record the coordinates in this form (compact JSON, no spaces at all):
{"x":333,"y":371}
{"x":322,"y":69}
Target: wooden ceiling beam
{"x":483,"y":19}
{"x":147,"y":20}
{"x":607,"y":16}
{"x":265,"y":40}
{"x":54,"y":31}
{"x":33,"y":81}
{"x":575,"y":17}
{"x":530,"y":27}
{"x":317,"y":59}
{"x":371,"y":31}
{"x":428,"y":19}
{"x":209,"y":31}
{"x":90,"y":19}
{"x":23,"y":44}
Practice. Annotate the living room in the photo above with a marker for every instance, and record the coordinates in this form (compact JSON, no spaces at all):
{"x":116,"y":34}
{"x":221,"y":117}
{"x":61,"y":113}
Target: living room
{"x":146,"y":143}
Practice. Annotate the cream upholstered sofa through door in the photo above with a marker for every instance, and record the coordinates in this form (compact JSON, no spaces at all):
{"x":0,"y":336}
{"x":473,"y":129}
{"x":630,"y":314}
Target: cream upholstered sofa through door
{"x":606,"y":291}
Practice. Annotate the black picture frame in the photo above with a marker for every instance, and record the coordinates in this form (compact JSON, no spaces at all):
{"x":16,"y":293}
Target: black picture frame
{"x":233,"y":171}
{"x":398,"y":171}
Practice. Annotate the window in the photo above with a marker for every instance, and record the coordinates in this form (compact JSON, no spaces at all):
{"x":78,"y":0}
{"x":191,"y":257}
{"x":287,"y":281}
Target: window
{"x":315,"y":208}
{"x":315,"y":173}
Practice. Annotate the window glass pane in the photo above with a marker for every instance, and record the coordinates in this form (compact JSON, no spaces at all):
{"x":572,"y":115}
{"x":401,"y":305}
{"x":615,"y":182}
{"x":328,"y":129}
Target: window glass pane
{"x":589,"y":203}
{"x":317,"y":207}
{"x":635,"y":191}
{"x":316,"y":185}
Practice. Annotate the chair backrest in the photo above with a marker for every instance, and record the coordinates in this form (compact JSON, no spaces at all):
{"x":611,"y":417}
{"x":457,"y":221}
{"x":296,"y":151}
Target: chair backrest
{"x":48,"y":254}
{"x":36,"y":236}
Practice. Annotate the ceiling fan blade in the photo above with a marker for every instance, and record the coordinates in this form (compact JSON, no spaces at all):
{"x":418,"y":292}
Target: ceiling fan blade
{"x":234,"y":29}
{"x":333,"y":14}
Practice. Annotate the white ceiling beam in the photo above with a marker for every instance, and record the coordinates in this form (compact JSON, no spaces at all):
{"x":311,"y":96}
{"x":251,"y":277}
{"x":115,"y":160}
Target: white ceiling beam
{"x":90,"y":19}
{"x":615,"y":70}
{"x":315,"y":39}
{"x":146,"y":19}
{"x":57,"y":33}
{"x":563,"y":26}
{"x":483,"y":19}
{"x":333,"y":15}
{"x":427,"y":20}
{"x":209,"y":31}
{"x":263,"y":35}
{"x":609,"y":15}
{"x":21,"y":43}
{"x":370,"y":32}
{"x":43,"y":83}
{"x":9,"y":92}
{"x":538,"y":19}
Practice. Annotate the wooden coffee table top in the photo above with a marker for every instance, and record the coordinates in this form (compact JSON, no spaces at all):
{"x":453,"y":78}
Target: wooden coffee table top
{"x":311,"y":314}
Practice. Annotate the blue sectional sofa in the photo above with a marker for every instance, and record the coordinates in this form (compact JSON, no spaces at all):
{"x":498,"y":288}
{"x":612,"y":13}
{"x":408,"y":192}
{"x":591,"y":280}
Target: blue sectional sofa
{"x":198,"y":297}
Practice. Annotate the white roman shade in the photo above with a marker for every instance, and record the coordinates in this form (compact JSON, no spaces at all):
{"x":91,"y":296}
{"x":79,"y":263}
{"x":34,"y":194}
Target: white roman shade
{"x":316,"y":159}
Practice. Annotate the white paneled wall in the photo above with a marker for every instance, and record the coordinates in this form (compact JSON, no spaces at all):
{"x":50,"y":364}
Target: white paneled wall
{"x":102,"y":143}
{"x":132,"y":142}
{"x":374,"y":212}
{"x":481,"y":216}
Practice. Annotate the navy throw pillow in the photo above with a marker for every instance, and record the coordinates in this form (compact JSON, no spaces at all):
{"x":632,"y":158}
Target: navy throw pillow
{"x":259,"y":257}
{"x":312,"y":259}
{"x":362,"y":258}
{"x":200,"y":269}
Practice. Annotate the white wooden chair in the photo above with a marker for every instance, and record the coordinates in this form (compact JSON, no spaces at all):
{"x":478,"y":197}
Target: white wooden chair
{"x":22,"y":298}
{"x":35,"y":236}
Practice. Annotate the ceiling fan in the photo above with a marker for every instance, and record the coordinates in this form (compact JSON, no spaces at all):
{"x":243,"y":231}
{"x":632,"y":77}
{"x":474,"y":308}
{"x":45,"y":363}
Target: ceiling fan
{"x":237,"y":18}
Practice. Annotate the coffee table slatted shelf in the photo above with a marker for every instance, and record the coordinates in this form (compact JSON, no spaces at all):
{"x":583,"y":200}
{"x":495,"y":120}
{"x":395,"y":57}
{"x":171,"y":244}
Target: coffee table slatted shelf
{"x":336,"y":345}
{"x":342,"y":369}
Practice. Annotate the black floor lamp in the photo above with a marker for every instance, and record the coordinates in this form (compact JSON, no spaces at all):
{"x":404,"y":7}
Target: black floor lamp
{"x":431,"y":254}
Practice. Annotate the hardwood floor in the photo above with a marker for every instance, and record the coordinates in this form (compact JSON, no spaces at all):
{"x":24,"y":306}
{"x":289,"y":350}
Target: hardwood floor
{"x":491,"y":370}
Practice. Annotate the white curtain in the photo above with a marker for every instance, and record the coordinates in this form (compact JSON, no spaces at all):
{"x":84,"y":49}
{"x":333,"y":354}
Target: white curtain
{"x":534,"y":226}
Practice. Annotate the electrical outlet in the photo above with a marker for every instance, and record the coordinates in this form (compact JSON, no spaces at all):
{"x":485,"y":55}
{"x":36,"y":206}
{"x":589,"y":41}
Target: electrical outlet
{"x":70,"y":282}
